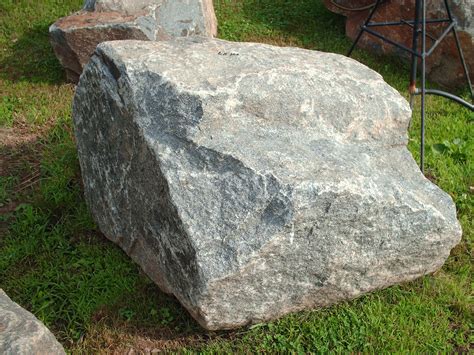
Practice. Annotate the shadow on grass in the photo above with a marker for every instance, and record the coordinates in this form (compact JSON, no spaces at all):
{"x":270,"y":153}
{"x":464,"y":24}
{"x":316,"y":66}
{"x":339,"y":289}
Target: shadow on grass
{"x":300,"y":17}
{"x":31,"y":58}
{"x":144,"y":318}
{"x":305,"y":23}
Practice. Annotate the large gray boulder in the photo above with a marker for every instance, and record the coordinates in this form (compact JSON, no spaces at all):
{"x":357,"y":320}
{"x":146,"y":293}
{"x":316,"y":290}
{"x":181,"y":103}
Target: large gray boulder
{"x":22,"y":333}
{"x":250,"y":180}
{"x":74,"y":38}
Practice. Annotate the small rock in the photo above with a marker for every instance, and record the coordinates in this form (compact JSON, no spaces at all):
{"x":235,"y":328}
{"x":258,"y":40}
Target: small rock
{"x":22,"y":333}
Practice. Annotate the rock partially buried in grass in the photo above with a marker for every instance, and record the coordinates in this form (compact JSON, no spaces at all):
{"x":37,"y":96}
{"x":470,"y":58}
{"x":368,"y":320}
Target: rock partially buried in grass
{"x":74,"y":38}
{"x":22,"y":333}
{"x":251,"y":181}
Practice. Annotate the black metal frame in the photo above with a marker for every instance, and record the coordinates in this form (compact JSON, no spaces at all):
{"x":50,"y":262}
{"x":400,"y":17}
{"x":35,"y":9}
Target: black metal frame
{"x":420,"y":21}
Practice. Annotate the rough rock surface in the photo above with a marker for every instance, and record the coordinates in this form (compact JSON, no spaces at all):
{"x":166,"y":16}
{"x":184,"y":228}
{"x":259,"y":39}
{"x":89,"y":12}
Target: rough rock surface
{"x":443,"y":66}
{"x":250,"y":180}
{"x":74,"y":38}
{"x":22,"y":333}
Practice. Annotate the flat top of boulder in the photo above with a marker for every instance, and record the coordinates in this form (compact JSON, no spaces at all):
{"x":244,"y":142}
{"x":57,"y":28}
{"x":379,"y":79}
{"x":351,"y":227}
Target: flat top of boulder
{"x":124,"y":6}
{"x":257,"y":88}
{"x":92,"y":19}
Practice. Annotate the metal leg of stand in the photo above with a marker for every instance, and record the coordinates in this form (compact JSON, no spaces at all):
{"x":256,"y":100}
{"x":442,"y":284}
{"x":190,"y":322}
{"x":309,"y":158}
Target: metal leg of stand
{"x":463,"y":61}
{"x":460,"y":51}
{"x":362,"y":30}
{"x":414,"y":58}
{"x":423,"y":84}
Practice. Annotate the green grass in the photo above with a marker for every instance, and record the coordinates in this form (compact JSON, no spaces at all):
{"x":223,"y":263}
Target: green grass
{"x":54,"y":262}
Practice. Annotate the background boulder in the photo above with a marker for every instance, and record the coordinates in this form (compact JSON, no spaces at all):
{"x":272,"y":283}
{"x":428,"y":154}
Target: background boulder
{"x":444,"y":65}
{"x":74,"y":38}
{"x":251,"y":180}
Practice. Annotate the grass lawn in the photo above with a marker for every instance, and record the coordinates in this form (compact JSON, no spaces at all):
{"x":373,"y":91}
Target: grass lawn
{"x":55,"y":263}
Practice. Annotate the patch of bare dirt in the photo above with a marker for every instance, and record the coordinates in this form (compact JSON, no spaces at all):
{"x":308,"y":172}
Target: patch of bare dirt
{"x":119,"y":337}
{"x":20,"y":152}
{"x":17,"y":136}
